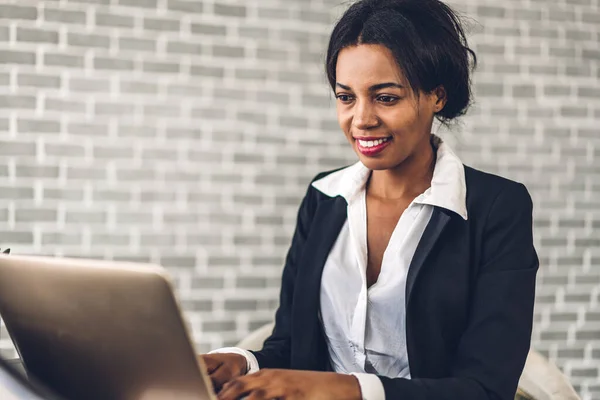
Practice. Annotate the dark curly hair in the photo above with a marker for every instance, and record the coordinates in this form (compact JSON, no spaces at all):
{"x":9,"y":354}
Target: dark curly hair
{"x":426,"y":38}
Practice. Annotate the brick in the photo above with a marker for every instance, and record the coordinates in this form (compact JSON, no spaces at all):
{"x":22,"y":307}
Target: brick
{"x":137,"y":44}
{"x":273,"y":13}
{"x":526,"y":15}
{"x":32,"y":35}
{"x":215,"y":261}
{"x":138,"y":87}
{"x":88,"y":40}
{"x":588,"y":92}
{"x":181,"y":47}
{"x":35,"y":215}
{"x":90,"y":85}
{"x":229,"y":10}
{"x":273,"y":97}
{"x":111,"y":195}
{"x":560,"y":15}
{"x":554,"y":90}
{"x":36,"y":171}
{"x":64,"y":150}
{"x":240,"y":305}
{"x":205,"y":282}
{"x":210,"y":71}
{"x":4,"y":34}
{"x":253,"y":32}
{"x":578,"y":35}
{"x":98,"y":2}
{"x":17,"y":102}
{"x":17,"y":149}
{"x":113,"y":20}
{"x":28,"y":125}
{"x":178,"y":261}
{"x":584,"y":372}
{"x":66,"y":106}
{"x":17,"y":57}
{"x":64,"y":16}
{"x":524,"y":91}
{"x":38,"y":80}
{"x":578,"y":70}
{"x":138,"y":3}
{"x":61,"y":238}
{"x":562,"y":52}
{"x":113,"y":63}
{"x":161,"y":67}
{"x":16,"y":192}
{"x":293,"y":122}
{"x":489,"y":89}
{"x":590,"y":17}
{"x":573,"y":112}
{"x":218,"y":326}
{"x":208,"y":29}
{"x":112,"y":152}
{"x":8,"y":238}
{"x":197,"y":305}
{"x":263,"y":53}
{"x":189,"y":6}
{"x":316,"y":101}
{"x":250,"y":282}
{"x":315,"y":16}
{"x":491,"y":49}
{"x":161,"y":24}
{"x":228,"y":51}
{"x":86,"y":217}
{"x":251,"y":74}
{"x":63,"y":60}
{"x":86,"y":173}
{"x":252,"y":117}
{"x":591,"y":54}
{"x":112,"y":109}
{"x":488,"y":11}
{"x":12,"y":12}
{"x":544,"y":33}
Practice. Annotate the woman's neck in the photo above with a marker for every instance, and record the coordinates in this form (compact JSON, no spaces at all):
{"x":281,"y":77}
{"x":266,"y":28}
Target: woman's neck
{"x":408,"y":179}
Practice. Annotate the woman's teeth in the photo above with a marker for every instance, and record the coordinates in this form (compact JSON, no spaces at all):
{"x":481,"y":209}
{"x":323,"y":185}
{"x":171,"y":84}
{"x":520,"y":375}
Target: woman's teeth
{"x":371,"y":143}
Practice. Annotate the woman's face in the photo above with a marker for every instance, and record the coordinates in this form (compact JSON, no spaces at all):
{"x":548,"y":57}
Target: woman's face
{"x":382,"y":118}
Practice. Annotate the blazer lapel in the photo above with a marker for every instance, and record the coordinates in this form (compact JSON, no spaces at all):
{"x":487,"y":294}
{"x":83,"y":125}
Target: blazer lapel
{"x":433,"y":230}
{"x":327,"y":223}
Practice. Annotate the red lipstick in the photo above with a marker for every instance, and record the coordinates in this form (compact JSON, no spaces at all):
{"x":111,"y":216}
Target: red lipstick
{"x":371,"y":146}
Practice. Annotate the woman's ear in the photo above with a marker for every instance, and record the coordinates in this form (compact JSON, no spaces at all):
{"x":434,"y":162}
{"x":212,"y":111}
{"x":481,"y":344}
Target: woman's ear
{"x":439,"y":95}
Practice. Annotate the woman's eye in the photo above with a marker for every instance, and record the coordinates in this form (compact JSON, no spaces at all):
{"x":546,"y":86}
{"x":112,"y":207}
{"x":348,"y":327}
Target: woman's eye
{"x":344,"y":98}
{"x":387,"y":99}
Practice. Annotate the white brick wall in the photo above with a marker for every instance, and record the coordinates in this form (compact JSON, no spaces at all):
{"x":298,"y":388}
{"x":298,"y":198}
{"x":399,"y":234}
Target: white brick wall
{"x":184,"y":132}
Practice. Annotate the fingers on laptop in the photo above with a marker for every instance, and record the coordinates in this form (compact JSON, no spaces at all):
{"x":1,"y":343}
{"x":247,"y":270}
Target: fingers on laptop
{"x":224,"y":367}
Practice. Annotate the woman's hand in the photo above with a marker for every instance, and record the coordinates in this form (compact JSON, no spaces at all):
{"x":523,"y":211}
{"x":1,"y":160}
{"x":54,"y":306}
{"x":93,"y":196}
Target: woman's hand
{"x":283,"y":384}
{"x":223,"y":367}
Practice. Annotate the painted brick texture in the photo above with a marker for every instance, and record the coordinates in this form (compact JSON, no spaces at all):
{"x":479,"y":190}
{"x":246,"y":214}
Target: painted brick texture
{"x":185,"y":132}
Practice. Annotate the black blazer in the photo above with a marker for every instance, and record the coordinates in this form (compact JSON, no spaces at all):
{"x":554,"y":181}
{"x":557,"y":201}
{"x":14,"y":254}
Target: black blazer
{"x":469,"y":295}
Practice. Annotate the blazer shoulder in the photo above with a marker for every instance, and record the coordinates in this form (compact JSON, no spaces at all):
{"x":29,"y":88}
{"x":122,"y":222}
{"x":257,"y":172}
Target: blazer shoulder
{"x":484,"y":188}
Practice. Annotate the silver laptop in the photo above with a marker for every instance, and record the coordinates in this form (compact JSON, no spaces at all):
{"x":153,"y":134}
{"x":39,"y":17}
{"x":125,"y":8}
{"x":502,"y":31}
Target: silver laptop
{"x":92,"y":329}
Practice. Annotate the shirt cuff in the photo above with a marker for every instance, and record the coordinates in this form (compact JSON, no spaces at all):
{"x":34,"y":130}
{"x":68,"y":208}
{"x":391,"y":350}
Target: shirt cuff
{"x":371,"y":387}
{"x":251,"y":361}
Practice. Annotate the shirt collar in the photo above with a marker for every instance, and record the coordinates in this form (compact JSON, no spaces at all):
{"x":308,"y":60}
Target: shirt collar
{"x":448,"y":187}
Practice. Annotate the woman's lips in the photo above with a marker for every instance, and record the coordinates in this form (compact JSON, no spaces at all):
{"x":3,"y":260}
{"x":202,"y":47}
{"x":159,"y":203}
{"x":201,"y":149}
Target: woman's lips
{"x":371,"y":146}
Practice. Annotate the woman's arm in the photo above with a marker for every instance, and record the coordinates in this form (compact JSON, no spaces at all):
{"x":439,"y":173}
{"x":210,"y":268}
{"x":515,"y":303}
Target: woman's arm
{"x":492,"y":351}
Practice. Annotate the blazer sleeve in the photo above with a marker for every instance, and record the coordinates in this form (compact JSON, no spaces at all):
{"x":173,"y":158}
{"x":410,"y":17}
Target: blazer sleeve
{"x":492,"y":351}
{"x":277,"y":347}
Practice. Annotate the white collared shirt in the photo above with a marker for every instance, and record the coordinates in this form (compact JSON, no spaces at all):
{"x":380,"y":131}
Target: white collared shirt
{"x":365,"y":327}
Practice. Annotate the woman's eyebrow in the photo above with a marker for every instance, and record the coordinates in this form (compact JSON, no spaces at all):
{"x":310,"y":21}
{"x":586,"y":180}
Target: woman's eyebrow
{"x":374,"y":88}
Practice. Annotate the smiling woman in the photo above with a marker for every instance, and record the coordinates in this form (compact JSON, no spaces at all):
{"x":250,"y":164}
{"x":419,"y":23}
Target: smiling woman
{"x":410,"y":275}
